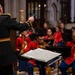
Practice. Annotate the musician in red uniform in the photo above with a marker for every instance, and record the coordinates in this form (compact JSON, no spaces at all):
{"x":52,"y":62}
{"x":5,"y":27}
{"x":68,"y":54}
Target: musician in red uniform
{"x":21,"y":44}
{"x":49,"y":35}
{"x":41,"y":42}
{"x":58,"y":37}
{"x":69,"y":61}
{"x":32,"y":63}
{"x":22,"y":40}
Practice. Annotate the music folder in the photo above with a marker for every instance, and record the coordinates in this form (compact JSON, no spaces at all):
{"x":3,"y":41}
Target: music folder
{"x":42,"y":55}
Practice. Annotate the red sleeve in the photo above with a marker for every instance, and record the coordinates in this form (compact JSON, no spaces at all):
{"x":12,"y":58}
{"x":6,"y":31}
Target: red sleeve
{"x":69,"y":44}
{"x":32,"y":45}
{"x":28,"y":48}
{"x":28,"y":40}
{"x":57,"y":37}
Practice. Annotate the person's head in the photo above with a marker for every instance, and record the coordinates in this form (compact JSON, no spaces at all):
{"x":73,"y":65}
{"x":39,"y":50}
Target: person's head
{"x":49,"y":32}
{"x":40,"y":38}
{"x":23,"y":33}
{"x":57,"y":28}
{"x":32,"y":37}
{"x":46,"y":25}
{"x":62,"y":26}
{"x":73,"y":36}
{"x":73,"y":29}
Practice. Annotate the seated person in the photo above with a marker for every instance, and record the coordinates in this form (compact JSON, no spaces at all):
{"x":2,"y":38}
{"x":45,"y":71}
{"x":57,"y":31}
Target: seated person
{"x":45,"y":27}
{"x":57,"y":37}
{"x":64,"y":32}
{"x":72,"y":29}
{"x":32,"y":63}
{"x":49,"y":35}
{"x":40,"y":40}
{"x":69,"y":61}
{"x":21,"y":44}
{"x":22,"y":40}
{"x":42,"y":44}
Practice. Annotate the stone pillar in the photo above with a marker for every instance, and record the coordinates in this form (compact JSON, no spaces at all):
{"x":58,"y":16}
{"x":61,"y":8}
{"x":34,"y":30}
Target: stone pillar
{"x":23,"y":7}
{"x":6,"y":6}
{"x":48,"y":2}
{"x":14,"y":9}
{"x":72,"y":10}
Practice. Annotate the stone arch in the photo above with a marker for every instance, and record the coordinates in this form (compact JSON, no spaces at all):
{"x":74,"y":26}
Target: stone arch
{"x":55,"y":11}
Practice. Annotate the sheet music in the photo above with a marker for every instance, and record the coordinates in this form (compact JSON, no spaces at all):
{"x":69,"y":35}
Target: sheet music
{"x":41,"y":54}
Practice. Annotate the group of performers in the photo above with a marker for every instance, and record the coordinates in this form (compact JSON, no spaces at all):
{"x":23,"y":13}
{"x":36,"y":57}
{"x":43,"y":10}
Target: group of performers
{"x":28,"y":40}
{"x":61,"y":37}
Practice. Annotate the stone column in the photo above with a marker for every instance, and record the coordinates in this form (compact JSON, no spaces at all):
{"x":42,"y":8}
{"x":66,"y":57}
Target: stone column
{"x":6,"y":6}
{"x":72,"y":10}
{"x":48,"y":2}
{"x":14,"y":8}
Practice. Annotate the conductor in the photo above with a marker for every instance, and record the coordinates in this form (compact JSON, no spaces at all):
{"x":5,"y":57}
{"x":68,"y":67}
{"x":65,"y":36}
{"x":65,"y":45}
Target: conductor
{"x":7,"y":55}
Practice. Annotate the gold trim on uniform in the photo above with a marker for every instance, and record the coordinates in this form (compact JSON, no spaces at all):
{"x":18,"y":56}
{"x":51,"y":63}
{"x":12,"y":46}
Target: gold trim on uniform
{"x":29,"y":23}
{"x":6,"y":14}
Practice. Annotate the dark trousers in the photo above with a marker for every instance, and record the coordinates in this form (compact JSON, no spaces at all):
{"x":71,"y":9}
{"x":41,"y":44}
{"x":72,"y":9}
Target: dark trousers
{"x":6,"y":70}
{"x":31,"y":66}
{"x":64,"y":66}
{"x":22,"y":65}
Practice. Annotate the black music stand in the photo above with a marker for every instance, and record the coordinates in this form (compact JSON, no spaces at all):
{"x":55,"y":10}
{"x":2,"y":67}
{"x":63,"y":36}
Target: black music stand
{"x":65,"y":51}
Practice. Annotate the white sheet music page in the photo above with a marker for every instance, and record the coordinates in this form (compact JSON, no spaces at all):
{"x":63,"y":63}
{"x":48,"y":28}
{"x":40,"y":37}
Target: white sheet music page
{"x":41,"y":54}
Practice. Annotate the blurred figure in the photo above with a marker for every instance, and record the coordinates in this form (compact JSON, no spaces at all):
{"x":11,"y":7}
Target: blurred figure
{"x":73,"y":29}
{"x":40,"y":39}
{"x":49,"y":35}
{"x":69,"y":61}
{"x":7,"y":55}
{"x":32,"y":63}
{"x":21,"y":43}
{"x":62,"y":27}
{"x":57,"y":37}
{"x":45,"y":27}
{"x":64,"y":33}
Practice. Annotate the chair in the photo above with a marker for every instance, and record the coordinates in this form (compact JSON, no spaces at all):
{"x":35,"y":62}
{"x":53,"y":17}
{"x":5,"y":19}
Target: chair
{"x":48,"y":70}
{"x":69,"y":70}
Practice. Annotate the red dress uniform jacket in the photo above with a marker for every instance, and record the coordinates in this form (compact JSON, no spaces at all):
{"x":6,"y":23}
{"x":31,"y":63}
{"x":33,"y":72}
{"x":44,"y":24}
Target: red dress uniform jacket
{"x":31,"y":46}
{"x":19,"y":42}
{"x":71,"y":58}
{"x":48,"y":37}
{"x":57,"y":37}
